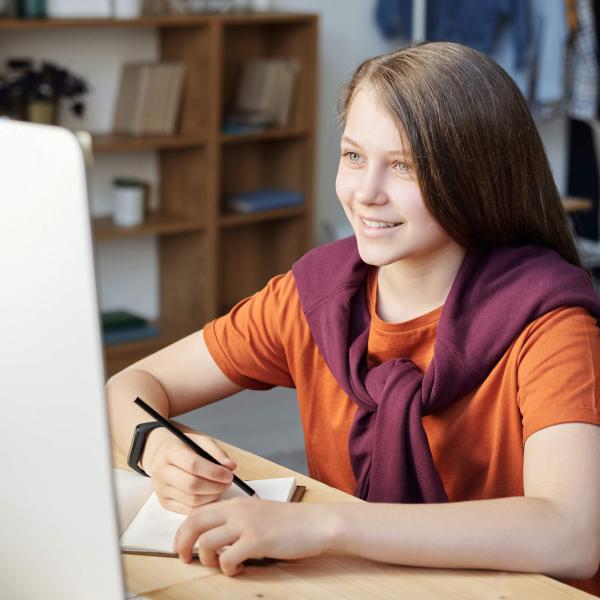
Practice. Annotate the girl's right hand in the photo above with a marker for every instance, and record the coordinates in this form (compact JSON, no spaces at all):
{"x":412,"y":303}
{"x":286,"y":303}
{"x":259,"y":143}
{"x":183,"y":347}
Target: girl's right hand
{"x":183,"y":480}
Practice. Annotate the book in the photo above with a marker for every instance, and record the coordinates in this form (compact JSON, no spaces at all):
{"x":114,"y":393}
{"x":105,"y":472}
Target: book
{"x":176,"y":79}
{"x":131,"y":98}
{"x":130,"y":334}
{"x":262,"y":199}
{"x":119,"y":326}
{"x":154,"y":100}
{"x":146,"y":527}
{"x":265,"y":92}
{"x":120,"y":319}
{"x":288,"y":79}
{"x":149,"y":98}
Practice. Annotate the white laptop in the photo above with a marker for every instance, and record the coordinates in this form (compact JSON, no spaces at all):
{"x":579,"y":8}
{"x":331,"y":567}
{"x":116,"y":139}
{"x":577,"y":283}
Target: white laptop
{"x":58,"y":522}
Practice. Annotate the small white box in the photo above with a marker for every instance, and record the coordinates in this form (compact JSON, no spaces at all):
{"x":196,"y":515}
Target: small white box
{"x":75,"y":9}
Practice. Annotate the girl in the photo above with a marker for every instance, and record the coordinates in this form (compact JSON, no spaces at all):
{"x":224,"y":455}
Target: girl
{"x":446,"y":357}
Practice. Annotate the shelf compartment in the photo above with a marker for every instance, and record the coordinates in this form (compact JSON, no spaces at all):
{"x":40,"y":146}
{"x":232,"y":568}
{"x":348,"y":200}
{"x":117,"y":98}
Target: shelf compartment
{"x":265,"y":164}
{"x":252,"y":254}
{"x":237,"y":220}
{"x":295,"y":40}
{"x":155,"y":224}
{"x":186,"y":183}
{"x":104,"y":143}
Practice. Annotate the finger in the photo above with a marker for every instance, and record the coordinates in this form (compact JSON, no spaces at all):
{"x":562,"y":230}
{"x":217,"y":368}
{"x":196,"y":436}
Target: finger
{"x":190,"y":500}
{"x":189,"y":461}
{"x":191,"y":484}
{"x":217,"y":452}
{"x":199,"y":520}
{"x":213,"y":540}
{"x":231,"y":560}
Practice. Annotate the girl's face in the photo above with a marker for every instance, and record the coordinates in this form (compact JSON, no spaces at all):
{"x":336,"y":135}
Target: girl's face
{"x":379,"y":192}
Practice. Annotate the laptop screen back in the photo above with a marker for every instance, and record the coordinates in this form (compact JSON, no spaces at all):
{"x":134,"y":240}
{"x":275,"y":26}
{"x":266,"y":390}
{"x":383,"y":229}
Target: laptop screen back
{"x":59,"y":533}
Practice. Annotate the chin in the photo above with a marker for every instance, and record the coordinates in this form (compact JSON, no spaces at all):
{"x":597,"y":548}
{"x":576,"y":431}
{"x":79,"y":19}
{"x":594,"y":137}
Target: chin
{"x":378,"y":258}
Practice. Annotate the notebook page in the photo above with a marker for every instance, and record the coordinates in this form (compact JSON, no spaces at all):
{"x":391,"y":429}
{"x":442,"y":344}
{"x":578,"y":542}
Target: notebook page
{"x":131,"y":490}
{"x":281,"y":489}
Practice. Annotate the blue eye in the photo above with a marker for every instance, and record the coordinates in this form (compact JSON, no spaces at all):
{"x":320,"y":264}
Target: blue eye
{"x":353,"y":156}
{"x":402,"y":167}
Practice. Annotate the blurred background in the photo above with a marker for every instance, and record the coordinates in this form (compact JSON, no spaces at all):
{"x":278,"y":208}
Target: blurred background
{"x":212,"y":141}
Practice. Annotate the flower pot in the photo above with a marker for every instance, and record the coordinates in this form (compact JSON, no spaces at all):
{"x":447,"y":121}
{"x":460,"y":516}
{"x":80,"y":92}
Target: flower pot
{"x":42,"y":111}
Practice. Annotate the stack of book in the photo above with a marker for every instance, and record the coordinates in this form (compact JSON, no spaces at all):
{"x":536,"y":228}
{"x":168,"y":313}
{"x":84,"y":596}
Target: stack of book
{"x":264,"y":95}
{"x":120,"y":326}
{"x":149,"y":98}
{"x":262,"y":199}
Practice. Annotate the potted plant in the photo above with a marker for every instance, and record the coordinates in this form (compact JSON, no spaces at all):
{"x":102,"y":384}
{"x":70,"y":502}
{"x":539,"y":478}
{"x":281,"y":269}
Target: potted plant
{"x":33,"y":93}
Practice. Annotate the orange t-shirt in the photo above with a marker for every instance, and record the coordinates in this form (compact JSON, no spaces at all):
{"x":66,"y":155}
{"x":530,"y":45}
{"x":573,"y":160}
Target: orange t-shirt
{"x":549,"y":375}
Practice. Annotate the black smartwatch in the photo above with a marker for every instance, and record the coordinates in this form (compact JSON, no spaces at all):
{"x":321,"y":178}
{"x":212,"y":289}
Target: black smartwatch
{"x":140,"y":435}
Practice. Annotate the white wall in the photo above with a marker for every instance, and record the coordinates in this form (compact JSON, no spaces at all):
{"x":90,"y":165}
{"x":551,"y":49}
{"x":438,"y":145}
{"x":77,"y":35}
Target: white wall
{"x":128,"y":268}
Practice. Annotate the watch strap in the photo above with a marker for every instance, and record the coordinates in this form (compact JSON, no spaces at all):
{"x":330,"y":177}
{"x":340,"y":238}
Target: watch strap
{"x":138,"y":443}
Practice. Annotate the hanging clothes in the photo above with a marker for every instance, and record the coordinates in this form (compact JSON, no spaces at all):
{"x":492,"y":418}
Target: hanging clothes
{"x":572,"y":20}
{"x":529,"y":39}
{"x":542,"y":79}
{"x":394,"y":18}
{"x":478,"y":24}
{"x":469,"y":22}
{"x":582,"y":65}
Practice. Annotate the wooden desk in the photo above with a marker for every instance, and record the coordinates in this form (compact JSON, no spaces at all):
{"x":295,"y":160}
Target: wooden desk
{"x":329,"y":576}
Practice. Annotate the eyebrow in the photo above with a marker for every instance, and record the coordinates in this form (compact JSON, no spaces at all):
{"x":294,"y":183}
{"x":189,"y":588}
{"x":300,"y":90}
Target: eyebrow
{"x":400,"y":152}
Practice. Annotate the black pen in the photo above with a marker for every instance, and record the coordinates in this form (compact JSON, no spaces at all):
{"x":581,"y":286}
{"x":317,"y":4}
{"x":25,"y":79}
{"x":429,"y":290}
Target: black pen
{"x":190,"y":443}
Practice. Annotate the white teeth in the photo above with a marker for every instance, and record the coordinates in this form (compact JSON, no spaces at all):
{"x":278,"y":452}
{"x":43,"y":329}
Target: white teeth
{"x":378,"y":224}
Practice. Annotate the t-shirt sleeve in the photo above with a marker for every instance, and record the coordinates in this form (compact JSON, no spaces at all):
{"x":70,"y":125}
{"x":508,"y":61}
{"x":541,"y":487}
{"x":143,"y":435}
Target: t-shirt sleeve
{"x":247,"y":343}
{"x":559,"y":371}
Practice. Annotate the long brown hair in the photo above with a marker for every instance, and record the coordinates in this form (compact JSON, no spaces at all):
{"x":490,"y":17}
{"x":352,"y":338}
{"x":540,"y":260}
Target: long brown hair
{"x":478,"y":157}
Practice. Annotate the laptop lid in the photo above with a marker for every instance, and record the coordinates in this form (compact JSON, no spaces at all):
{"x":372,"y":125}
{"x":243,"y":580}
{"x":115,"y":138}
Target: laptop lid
{"x":59,"y":533}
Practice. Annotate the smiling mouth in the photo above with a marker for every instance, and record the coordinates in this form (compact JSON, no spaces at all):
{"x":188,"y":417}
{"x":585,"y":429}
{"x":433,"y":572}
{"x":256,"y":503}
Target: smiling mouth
{"x":379,"y":224}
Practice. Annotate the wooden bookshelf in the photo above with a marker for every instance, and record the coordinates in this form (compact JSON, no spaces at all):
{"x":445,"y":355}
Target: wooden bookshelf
{"x":235,"y":219}
{"x":160,"y":22}
{"x":109,"y":143}
{"x":154,"y":224}
{"x":270,"y":134}
{"x":209,"y":259}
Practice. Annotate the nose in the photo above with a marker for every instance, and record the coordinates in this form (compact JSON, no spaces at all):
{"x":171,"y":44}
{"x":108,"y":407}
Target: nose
{"x":371,"y":189}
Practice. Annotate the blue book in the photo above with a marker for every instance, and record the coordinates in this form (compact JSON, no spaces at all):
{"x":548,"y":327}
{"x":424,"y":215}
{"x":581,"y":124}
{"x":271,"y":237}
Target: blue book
{"x":263,"y":199}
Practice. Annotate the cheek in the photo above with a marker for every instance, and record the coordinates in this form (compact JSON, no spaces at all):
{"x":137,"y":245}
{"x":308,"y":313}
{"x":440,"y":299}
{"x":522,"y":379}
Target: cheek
{"x":343,"y":186}
{"x":339,"y":185}
{"x":427,"y":226}
{"x":414,"y":208}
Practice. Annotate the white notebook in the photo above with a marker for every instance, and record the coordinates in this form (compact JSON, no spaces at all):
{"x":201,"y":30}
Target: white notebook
{"x":148,"y":528}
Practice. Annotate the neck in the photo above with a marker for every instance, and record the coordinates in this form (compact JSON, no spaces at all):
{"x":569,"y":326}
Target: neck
{"x":412,"y":287}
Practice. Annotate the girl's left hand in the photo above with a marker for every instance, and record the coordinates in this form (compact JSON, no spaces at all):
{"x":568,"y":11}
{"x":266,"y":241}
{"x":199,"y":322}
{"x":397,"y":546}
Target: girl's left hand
{"x":253,"y":528}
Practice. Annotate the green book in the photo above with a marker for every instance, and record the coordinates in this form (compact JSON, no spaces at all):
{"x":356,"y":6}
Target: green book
{"x":115,"y":320}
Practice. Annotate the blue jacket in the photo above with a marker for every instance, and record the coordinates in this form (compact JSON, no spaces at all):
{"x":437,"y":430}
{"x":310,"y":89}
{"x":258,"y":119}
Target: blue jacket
{"x":474,"y":23}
